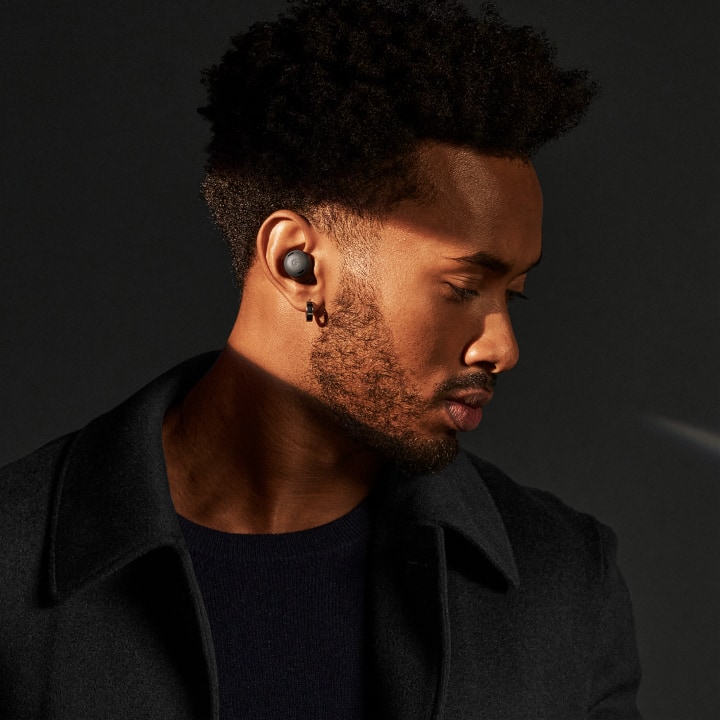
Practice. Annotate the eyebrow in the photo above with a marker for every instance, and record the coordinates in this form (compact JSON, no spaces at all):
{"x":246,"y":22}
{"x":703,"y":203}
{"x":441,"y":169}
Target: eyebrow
{"x":493,"y":262}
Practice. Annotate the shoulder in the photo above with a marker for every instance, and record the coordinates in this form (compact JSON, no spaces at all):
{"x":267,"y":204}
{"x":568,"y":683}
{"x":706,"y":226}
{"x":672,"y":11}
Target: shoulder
{"x":110,"y":437}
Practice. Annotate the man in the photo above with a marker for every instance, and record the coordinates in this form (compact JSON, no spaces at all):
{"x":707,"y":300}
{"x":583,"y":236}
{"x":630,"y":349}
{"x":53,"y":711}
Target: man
{"x":288,"y":529}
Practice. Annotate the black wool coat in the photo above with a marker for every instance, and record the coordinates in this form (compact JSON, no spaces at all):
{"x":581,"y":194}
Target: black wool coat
{"x":485,"y":600}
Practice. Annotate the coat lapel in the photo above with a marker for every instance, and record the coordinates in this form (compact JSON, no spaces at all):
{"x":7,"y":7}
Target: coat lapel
{"x":408,"y":623}
{"x":409,"y":642}
{"x":112,"y":507}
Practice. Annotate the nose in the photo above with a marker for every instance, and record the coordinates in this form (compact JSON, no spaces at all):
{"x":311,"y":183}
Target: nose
{"x":495,"y":346}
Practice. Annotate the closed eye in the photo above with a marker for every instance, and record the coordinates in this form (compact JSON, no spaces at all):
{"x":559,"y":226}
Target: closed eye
{"x":515,"y":295}
{"x":462,"y":294}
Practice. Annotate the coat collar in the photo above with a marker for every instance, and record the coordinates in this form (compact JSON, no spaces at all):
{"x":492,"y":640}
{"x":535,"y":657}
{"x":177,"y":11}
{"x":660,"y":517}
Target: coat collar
{"x":113,"y":504}
{"x":454,"y":499}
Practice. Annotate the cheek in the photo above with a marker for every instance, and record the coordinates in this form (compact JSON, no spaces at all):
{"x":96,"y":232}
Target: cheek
{"x":428,"y":334}
{"x":426,"y":343}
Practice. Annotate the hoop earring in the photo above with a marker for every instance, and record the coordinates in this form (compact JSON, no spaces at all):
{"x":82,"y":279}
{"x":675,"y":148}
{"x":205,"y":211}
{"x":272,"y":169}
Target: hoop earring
{"x":309,"y":311}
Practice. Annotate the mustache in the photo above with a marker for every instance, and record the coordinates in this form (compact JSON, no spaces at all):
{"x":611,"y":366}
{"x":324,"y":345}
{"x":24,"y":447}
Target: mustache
{"x":478,"y":380}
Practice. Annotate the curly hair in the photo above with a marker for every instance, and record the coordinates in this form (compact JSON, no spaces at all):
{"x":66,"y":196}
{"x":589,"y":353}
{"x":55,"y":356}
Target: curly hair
{"x":327,"y":106}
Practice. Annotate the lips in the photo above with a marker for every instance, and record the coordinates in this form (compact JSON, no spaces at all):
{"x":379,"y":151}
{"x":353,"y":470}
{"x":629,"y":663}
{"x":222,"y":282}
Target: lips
{"x":465,"y":408}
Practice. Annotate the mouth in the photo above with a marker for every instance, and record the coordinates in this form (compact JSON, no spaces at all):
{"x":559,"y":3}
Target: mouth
{"x":465,"y":408}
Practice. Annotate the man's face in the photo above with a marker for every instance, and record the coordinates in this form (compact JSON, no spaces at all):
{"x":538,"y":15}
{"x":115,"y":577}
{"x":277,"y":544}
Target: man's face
{"x":413,"y":345}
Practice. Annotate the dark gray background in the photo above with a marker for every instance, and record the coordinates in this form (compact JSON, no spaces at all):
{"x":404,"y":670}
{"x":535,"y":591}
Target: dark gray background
{"x":111,"y":273}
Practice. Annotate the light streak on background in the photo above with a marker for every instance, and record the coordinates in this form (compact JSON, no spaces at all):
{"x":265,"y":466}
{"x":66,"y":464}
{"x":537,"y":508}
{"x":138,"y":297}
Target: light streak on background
{"x":698,"y":437}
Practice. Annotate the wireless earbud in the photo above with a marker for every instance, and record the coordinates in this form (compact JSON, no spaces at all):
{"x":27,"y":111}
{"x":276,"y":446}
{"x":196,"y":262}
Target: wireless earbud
{"x":298,"y":265}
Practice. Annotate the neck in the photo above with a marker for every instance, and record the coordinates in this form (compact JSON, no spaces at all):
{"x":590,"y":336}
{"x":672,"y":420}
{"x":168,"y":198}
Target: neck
{"x":246,"y":453}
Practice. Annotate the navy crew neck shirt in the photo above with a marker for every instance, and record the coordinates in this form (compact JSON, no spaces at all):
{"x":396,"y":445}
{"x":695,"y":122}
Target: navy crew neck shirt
{"x":286,"y":614}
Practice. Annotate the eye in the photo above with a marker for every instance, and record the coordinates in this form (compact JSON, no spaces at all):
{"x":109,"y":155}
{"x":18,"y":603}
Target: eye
{"x":515,"y":295}
{"x":462,"y":294}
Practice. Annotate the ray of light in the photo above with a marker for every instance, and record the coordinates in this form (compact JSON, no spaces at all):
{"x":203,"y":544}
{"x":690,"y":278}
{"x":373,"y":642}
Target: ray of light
{"x":696,"y":436}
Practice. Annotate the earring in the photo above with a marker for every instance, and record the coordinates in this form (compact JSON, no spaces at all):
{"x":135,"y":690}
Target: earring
{"x":309,"y":311}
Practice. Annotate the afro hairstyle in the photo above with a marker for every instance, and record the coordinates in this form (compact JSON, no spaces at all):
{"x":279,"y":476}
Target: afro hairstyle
{"x":326,"y":106}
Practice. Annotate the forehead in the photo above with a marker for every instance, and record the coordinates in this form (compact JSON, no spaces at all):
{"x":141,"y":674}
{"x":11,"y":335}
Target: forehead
{"x":477,"y":202}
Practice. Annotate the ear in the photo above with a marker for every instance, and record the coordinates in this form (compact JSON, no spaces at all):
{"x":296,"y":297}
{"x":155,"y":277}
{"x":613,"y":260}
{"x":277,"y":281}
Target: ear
{"x":282,"y":232}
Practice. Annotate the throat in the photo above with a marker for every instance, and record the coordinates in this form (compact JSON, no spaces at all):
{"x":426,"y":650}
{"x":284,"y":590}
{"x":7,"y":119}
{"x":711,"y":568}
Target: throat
{"x":243,"y":458}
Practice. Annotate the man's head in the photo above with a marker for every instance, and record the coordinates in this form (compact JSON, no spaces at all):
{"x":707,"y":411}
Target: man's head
{"x":391,"y":140}
{"x":412,"y":333}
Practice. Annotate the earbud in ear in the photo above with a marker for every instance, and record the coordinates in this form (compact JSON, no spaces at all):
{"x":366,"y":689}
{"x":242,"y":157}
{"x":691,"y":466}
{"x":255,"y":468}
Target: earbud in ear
{"x":298,"y":265}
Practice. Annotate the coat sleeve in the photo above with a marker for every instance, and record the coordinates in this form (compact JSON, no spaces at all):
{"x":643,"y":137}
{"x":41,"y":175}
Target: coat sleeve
{"x":614,"y":662}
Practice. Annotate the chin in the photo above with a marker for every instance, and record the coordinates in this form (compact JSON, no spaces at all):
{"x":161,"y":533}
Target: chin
{"x":415,"y":455}
{"x":431,"y":457}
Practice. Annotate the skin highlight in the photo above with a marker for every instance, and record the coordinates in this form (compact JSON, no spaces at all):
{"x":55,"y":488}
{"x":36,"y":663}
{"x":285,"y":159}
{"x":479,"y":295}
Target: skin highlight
{"x":293,"y":424}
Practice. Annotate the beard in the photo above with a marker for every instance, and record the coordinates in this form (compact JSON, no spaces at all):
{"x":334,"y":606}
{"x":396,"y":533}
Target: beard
{"x":366,"y":391}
